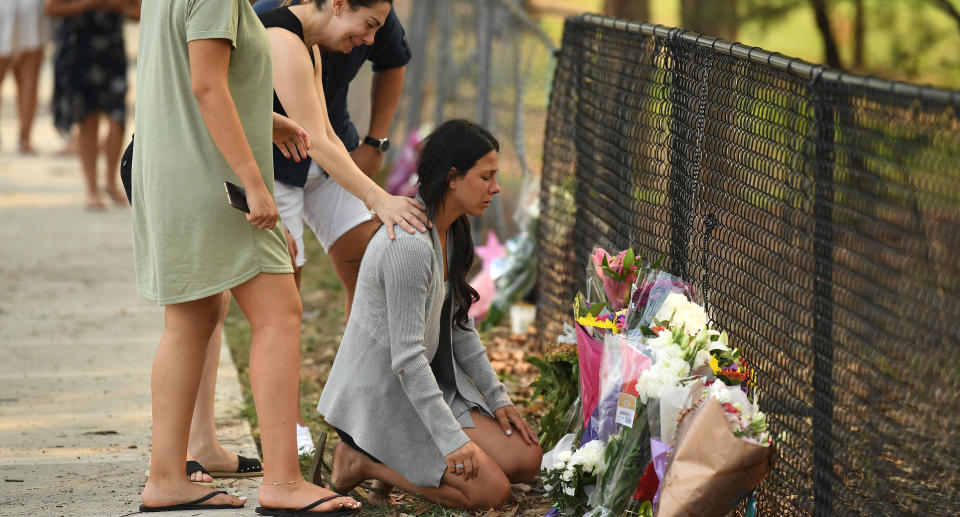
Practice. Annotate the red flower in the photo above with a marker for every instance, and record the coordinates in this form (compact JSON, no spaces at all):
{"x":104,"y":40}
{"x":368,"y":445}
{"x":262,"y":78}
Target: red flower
{"x":647,"y":488}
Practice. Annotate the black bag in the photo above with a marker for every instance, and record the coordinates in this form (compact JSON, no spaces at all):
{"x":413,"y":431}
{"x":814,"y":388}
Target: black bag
{"x":126,"y":166}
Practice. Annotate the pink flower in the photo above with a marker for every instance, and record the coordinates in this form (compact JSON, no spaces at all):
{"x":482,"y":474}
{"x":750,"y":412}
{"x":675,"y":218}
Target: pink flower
{"x":616,"y":293}
{"x":598,"y":255}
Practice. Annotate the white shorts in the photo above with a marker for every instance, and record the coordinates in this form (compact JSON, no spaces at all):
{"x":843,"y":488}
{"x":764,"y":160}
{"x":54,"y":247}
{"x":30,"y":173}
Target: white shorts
{"x":23,"y":26}
{"x":329,"y":210}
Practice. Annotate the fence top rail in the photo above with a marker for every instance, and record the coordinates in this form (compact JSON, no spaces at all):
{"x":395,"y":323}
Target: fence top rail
{"x":797,"y":66}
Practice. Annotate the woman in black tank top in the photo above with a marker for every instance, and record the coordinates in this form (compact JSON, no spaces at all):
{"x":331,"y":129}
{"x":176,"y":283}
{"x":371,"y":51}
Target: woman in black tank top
{"x":299,"y":35}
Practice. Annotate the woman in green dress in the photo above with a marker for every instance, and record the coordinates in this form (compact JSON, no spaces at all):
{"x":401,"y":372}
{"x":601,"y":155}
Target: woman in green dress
{"x":204,"y":116}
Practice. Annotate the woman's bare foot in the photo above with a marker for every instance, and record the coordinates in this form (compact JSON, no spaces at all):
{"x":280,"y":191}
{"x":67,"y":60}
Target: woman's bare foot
{"x":347,"y":470}
{"x":297,"y":495}
{"x":177,"y":491}
{"x":95,"y":203}
{"x":116,"y":195}
{"x":196,"y":476}
{"x":26,"y":148}
{"x":215,"y":459}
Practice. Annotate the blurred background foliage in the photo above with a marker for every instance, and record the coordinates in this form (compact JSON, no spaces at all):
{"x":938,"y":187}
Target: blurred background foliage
{"x":492,"y":60}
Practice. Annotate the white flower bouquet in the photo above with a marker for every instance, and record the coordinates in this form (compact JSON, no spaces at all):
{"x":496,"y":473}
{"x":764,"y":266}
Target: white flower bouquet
{"x":570,"y":479}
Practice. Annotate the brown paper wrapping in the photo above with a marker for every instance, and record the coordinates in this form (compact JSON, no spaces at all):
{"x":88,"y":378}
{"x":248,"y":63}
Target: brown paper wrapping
{"x":711,"y":469}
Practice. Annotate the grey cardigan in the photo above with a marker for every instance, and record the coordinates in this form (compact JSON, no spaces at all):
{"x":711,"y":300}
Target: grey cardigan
{"x":401,"y":396}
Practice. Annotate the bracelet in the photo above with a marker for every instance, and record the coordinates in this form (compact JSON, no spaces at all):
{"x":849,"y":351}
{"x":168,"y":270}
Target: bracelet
{"x":369,"y":190}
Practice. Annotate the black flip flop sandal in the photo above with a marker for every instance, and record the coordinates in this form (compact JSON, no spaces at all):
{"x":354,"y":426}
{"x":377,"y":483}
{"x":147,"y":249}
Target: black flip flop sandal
{"x":246,"y":468}
{"x":192,"y":466}
{"x":195,"y":466}
{"x":192,"y":505}
{"x":305,"y":511}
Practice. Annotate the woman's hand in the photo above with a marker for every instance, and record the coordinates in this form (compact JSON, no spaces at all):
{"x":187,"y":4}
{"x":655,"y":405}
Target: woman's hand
{"x":263,"y":209}
{"x":290,"y":138}
{"x":464,"y":461}
{"x":404,"y":211}
{"x":508,"y":415}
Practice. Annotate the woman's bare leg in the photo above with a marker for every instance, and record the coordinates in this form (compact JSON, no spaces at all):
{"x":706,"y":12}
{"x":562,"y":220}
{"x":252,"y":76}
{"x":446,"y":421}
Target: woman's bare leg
{"x":112,"y":149}
{"x":5,"y":62}
{"x":177,"y":367}
{"x":203,"y":445}
{"x":27,"y":72}
{"x":272,"y":305}
{"x":88,"y":147}
{"x":517,"y":459}
{"x":346,"y":253}
{"x":489,"y":489}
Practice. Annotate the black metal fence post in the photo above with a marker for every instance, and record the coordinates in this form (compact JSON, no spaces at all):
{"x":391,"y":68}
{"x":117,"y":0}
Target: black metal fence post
{"x":823,"y":353}
{"x":680,"y":202}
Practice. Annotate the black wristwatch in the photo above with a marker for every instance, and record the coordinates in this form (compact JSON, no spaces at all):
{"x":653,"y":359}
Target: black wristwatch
{"x":381,"y":144}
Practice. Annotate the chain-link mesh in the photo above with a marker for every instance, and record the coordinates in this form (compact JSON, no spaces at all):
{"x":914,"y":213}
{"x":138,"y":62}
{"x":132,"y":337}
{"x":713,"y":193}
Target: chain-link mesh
{"x":820,"y":214}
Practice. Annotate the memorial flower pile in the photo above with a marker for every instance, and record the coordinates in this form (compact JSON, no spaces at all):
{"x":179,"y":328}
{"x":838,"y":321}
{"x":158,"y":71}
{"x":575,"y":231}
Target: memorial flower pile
{"x":659,"y":385}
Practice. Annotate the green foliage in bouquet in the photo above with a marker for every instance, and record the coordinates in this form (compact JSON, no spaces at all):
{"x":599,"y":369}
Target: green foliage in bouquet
{"x":624,"y":460}
{"x":640,"y":509}
{"x":558,"y":385}
{"x":623,"y":269}
{"x":582,"y":308}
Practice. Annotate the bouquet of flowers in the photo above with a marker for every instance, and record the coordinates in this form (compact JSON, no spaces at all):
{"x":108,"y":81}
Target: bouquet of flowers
{"x":625,"y":458}
{"x":649,"y":358}
{"x":723,"y":450}
{"x":569,"y":479}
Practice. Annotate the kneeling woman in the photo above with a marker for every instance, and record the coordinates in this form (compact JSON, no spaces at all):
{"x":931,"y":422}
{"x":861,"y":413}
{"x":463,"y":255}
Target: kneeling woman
{"x":412,"y":393}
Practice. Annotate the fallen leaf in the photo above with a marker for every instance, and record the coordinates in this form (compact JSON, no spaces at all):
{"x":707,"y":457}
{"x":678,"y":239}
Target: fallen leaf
{"x":523,"y":487}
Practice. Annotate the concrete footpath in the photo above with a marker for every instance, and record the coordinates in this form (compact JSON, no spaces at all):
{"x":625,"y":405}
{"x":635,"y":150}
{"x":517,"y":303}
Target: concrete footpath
{"x":77,"y":343}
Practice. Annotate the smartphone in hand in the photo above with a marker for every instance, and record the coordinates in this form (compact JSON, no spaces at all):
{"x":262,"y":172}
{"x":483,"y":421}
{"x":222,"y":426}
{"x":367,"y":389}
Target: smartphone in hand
{"x":236,"y":197}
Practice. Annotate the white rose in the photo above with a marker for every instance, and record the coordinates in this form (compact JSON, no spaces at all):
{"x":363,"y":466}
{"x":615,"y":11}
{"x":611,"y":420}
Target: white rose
{"x":719,"y":391}
{"x":567,"y":474}
{"x":570,"y":491}
{"x":703,"y":357}
{"x":559,"y":465}
{"x":670,"y":304}
{"x":691,"y":317}
{"x":591,"y":460}
{"x":564,"y":456}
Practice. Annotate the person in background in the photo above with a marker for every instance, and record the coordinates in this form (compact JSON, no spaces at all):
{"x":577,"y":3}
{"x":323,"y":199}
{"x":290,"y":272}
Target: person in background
{"x":24,"y":31}
{"x":90,"y":83}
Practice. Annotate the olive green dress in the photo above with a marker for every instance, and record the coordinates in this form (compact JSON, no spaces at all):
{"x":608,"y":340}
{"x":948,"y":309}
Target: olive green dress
{"x":188,"y":243}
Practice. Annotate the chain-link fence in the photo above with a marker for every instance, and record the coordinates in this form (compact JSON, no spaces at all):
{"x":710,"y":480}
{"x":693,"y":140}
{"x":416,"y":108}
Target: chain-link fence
{"x":820,"y":214}
{"x":489,"y":61}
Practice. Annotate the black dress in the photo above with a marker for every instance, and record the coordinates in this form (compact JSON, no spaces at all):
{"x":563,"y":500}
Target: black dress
{"x":90,"y":68}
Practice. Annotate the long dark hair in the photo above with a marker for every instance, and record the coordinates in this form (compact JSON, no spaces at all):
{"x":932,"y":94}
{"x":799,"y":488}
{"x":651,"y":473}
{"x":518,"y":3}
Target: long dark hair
{"x":354,"y":4}
{"x":449,"y":152}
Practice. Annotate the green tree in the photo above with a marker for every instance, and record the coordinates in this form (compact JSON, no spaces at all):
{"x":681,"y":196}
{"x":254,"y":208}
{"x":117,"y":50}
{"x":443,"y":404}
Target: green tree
{"x":638,"y":10}
{"x":716,"y":18}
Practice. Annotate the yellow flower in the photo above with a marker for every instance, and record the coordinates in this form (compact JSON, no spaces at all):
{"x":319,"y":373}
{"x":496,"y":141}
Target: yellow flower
{"x":714,"y":365}
{"x":592,"y":321}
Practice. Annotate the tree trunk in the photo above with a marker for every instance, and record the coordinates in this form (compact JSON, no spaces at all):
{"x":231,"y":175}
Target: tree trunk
{"x":717,"y":18}
{"x":637,"y":10}
{"x":949,"y":9}
{"x":859,"y":28}
{"x":830,"y":52}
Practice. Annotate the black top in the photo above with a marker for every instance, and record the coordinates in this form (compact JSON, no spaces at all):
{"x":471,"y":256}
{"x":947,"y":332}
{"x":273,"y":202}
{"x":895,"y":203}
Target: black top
{"x":389,"y":50}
